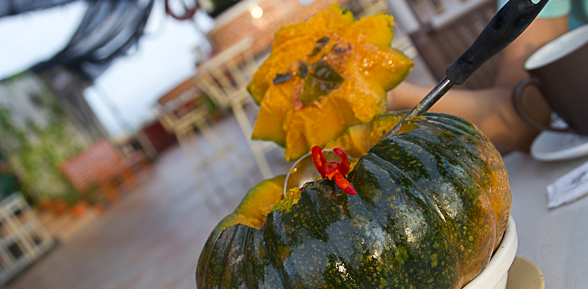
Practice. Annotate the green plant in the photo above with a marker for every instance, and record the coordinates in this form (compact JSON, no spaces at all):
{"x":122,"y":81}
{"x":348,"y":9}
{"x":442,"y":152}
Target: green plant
{"x":35,"y":152}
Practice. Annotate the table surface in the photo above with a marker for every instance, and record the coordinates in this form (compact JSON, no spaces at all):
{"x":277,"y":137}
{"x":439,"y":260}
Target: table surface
{"x":555,"y":240}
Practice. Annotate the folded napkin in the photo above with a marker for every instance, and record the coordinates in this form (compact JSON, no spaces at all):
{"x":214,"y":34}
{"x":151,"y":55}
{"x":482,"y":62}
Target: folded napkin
{"x":568,"y":187}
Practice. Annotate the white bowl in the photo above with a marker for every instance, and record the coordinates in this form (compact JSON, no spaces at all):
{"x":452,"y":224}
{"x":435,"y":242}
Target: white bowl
{"x":495,"y":274}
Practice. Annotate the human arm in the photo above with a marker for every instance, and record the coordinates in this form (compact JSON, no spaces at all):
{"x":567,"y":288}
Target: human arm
{"x":492,"y":109}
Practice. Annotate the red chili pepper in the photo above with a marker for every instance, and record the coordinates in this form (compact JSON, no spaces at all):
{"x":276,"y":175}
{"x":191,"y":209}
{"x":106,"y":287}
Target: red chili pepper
{"x":344,"y":184}
{"x":344,"y":165}
{"x":319,"y":159}
{"x":333,"y":170}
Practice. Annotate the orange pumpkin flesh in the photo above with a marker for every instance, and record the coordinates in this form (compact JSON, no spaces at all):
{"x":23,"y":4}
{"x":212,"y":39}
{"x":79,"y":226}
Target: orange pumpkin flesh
{"x":304,"y":110}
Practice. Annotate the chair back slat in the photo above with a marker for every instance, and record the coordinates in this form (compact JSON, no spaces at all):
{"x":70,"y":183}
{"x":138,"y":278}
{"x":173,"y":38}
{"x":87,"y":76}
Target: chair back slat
{"x":221,"y":77}
{"x":224,"y":77}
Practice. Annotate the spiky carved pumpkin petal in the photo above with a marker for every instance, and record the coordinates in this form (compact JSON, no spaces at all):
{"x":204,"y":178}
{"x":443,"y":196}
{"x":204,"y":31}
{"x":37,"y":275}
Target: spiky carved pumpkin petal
{"x":274,"y":111}
{"x":294,"y":42}
{"x":334,"y":44}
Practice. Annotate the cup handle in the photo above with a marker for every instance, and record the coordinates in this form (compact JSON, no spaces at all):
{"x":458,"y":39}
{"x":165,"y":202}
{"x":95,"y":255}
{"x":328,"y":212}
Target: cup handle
{"x":518,"y":104}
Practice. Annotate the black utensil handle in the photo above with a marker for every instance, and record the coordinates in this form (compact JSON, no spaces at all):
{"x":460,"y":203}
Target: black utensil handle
{"x":503,"y":28}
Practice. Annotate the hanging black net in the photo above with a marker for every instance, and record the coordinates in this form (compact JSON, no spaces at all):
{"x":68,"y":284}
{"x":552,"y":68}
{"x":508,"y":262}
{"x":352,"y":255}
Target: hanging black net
{"x":15,"y":7}
{"x":109,"y":29}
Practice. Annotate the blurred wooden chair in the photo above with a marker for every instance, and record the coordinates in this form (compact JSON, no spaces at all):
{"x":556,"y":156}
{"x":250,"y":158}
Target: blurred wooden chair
{"x":101,"y":166}
{"x":372,"y":7}
{"x":444,"y":36}
{"x":200,"y":160}
{"x":366,"y":8}
{"x":224,"y":79}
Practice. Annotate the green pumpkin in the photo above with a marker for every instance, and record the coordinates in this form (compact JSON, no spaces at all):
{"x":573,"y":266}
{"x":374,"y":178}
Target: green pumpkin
{"x":431,"y":207}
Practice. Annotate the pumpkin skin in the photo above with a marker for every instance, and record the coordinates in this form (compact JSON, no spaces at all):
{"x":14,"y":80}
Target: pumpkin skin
{"x":256,"y":204}
{"x":432,"y":204}
{"x":348,"y":66}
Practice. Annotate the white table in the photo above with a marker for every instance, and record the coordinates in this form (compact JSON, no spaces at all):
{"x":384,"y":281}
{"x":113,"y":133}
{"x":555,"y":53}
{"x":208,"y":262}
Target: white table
{"x":555,"y":240}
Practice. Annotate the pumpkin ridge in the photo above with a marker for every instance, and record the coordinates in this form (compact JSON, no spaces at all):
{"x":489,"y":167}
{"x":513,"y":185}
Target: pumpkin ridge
{"x":414,"y":198}
{"x":445,"y":117}
{"x":272,"y":248}
{"x":415,"y":195}
{"x":449,"y":127}
{"x":410,"y":140}
{"x":207,"y":281}
{"x":335,"y":245}
{"x":471,"y":199}
{"x":316,"y":194}
{"x":381,"y":162}
{"x":450,"y":154}
{"x":271,"y":229}
{"x":462,"y":188}
{"x":204,"y":259}
{"x":225,"y":248}
{"x":248,"y":270}
{"x":260,"y":267}
{"x":355,"y":278}
{"x":239,"y":262}
{"x":360,"y":280}
{"x":228,"y":256}
{"x":478,"y":168}
{"x":456,"y":132}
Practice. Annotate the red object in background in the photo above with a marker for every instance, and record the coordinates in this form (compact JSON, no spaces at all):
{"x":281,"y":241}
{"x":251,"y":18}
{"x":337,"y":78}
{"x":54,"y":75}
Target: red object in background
{"x":188,"y":11}
{"x":159,"y":137}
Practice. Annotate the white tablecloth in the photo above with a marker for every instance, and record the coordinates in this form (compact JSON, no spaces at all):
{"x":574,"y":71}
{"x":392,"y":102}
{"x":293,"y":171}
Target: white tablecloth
{"x":555,"y":240}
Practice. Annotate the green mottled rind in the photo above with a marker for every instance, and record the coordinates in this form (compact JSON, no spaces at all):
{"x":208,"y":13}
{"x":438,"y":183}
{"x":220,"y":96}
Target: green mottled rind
{"x":225,"y":243}
{"x":423,"y":218}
